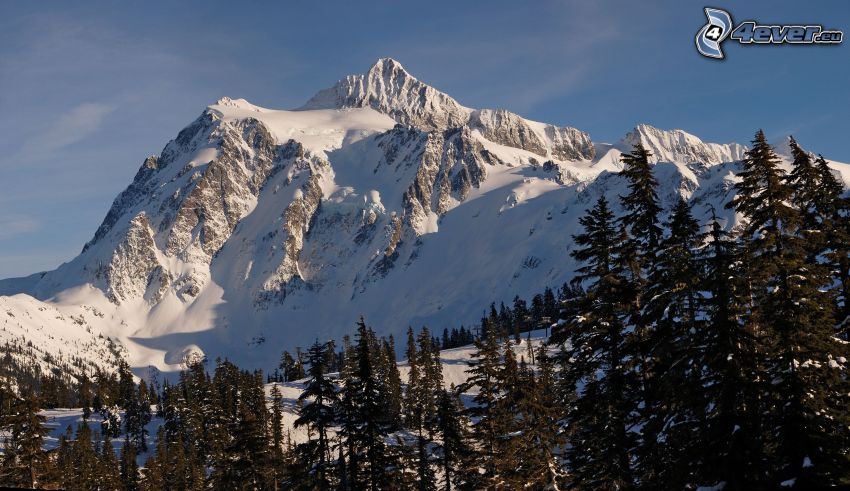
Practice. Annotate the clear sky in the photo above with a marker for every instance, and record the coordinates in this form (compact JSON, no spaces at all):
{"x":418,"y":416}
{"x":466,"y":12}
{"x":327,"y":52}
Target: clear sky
{"x":87,"y":91}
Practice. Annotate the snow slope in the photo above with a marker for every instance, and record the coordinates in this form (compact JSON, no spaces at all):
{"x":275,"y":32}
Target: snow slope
{"x":257,"y":230}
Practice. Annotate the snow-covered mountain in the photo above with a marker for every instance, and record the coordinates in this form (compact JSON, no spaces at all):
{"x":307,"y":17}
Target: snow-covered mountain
{"x":256,"y":230}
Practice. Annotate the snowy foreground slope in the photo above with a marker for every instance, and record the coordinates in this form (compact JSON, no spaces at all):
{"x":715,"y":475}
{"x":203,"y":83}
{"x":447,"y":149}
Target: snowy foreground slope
{"x":257,"y":230}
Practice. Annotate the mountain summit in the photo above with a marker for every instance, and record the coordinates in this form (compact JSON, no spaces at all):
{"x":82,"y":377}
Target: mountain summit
{"x":388,"y":88}
{"x":256,"y":230}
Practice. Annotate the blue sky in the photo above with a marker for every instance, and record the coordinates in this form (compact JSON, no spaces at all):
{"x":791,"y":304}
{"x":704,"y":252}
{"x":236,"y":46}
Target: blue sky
{"x":89,"y":90}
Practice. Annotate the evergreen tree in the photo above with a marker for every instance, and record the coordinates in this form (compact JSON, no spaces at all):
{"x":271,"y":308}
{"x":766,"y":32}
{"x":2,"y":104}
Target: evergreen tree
{"x":793,"y":312}
{"x":108,"y":474}
{"x":598,"y":359}
{"x":641,"y":237}
{"x":364,"y":417}
{"x":675,"y":409}
{"x":136,"y":418}
{"x":319,"y":400}
{"x":128,"y":468}
{"x":391,"y":378}
{"x":483,"y":374}
{"x":457,"y":456}
{"x":731,"y":448}
{"x":277,"y":461}
{"x":84,"y":460}
{"x":541,"y":440}
{"x":24,"y":461}
{"x":641,"y":203}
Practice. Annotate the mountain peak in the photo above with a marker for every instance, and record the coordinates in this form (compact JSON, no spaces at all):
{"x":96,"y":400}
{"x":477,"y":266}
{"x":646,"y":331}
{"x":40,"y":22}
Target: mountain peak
{"x":236,"y":103}
{"x":390,"y":89}
{"x":387,"y":65}
{"x":680,"y":146}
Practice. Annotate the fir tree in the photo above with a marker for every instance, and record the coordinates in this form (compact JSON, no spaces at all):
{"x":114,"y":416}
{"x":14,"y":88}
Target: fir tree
{"x":364,"y":422}
{"x":641,"y":203}
{"x":457,"y":455}
{"x":675,"y":408}
{"x":276,"y":422}
{"x":793,"y":311}
{"x":128,"y":468}
{"x":24,"y":461}
{"x":598,"y":358}
{"x":391,"y":378}
{"x":483,"y":374}
{"x":319,"y":400}
{"x":136,"y":418}
{"x":108,"y":473}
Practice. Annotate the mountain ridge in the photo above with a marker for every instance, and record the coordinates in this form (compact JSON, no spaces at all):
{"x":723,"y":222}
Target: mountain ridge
{"x":256,"y":229}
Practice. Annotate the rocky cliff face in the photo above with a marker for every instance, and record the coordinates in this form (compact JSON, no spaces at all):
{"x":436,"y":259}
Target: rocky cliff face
{"x":679,"y":146}
{"x":389,"y":89}
{"x":256,"y":230}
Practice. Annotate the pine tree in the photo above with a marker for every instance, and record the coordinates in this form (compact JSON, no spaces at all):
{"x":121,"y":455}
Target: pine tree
{"x":483,"y":374}
{"x":641,"y":237}
{"x":804,"y":184}
{"x":136,"y":417}
{"x":84,"y":470}
{"x":674,"y":412}
{"x":541,"y":438}
{"x":390,"y":378}
{"x":457,"y":455}
{"x":349,"y":459}
{"x":24,"y":461}
{"x":108,"y":473}
{"x":731,"y":448}
{"x":509,"y":453}
{"x":424,"y":380}
{"x":277,"y":463}
{"x":598,"y":358}
{"x":833,"y":211}
{"x":128,"y":468}
{"x":65,"y":458}
{"x":793,"y":311}
{"x":126,"y":386}
{"x":155,"y":467}
{"x":319,"y":400}
{"x":365,"y":425}
{"x":641,"y":203}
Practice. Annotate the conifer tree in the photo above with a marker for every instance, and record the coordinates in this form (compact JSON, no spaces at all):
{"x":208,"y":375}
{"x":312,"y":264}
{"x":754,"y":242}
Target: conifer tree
{"x":597,"y":354}
{"x":136,"y":417}
{"x":641,"y":237}
{"x":833,"y":211}
{"x":457,"y":456}
{"x":390,"y":377}
{"x":84,"y":468}
{"x":673,"y":413}
{"x":541,"y":438}
{"x":794,"y":313}
{"x":371,"y":465}
{"x":731,"y":448}
{"x":319,"y":400}
{"x":349,"y":459}
{"x":24,"y":461}
{"x":483,"y":374}
{"x":641,"y":203}
{"x":108,"y":473}
{"x":804,"y":184}
{"x":276,"y":463}
{"x":509,"y":451}
{"x":128,"y":468}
